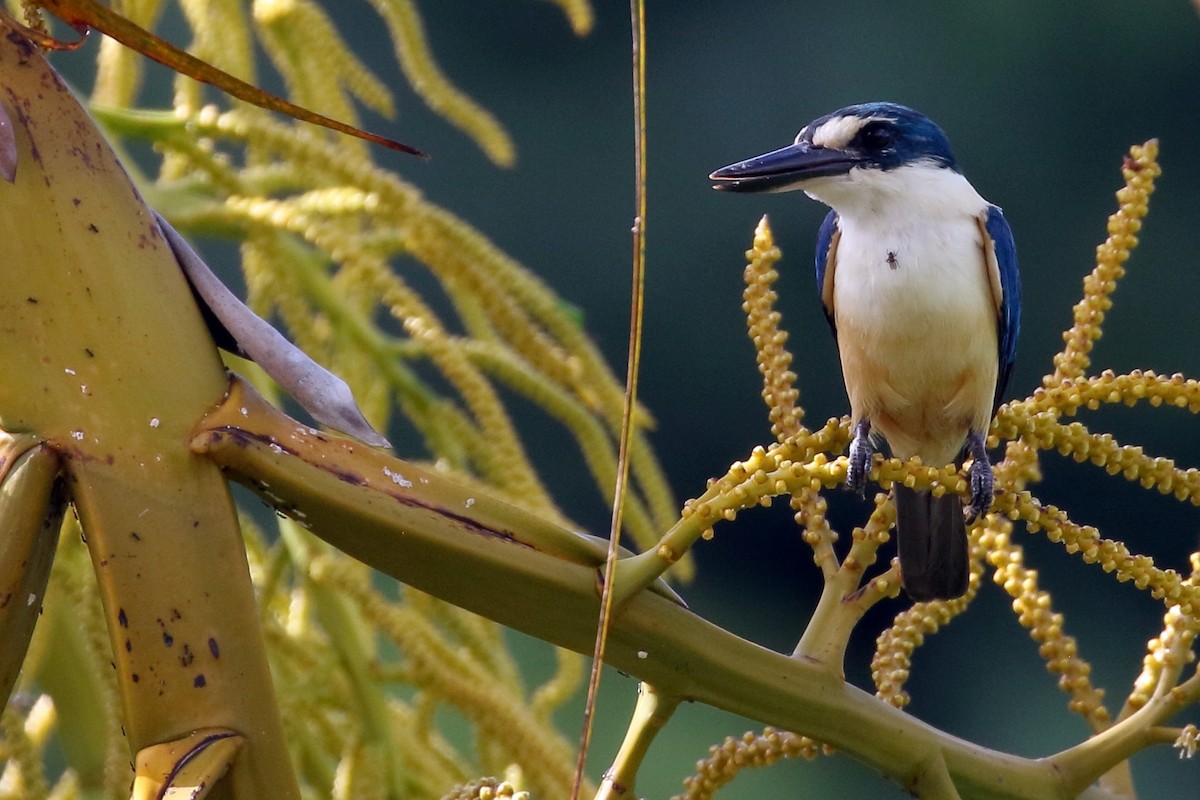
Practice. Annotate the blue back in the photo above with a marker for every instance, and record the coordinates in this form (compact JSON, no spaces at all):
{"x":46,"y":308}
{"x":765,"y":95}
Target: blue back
{"x":1009,"y":318}
{"x":824,"y":239}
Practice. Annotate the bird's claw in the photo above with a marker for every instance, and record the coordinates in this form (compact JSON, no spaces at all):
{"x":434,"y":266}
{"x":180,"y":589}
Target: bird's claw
{"x":981,"y":478}
{"x":860,"y":454}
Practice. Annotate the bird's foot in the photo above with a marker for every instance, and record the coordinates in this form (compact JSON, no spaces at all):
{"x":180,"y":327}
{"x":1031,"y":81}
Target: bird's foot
{"x":861,"y":451}
{"x":981,"y":478}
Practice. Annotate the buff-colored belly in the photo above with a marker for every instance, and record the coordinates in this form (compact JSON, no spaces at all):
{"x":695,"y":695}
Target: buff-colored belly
{"x":918,"y":341}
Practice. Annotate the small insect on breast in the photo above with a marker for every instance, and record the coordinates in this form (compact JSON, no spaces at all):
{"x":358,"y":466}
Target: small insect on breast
{"x":892,"y":261}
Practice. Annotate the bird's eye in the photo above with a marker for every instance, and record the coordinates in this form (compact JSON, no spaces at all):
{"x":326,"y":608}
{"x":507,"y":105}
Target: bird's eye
{"x":876,"y":136}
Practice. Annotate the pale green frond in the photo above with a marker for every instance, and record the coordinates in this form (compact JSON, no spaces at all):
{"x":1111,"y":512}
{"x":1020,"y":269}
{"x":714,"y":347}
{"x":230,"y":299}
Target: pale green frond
{"x":426,"y":78}
{"x":317,"y":65}
{"x":119,"y":70}
{"x":221,"y":35}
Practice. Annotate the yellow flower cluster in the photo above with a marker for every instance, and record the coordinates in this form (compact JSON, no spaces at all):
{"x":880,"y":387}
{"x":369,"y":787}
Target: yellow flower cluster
{"x":788,"y":467}
{"x":486,"y":789}
{"x":774,"y":360}
{"x":1112,"y":556}
{"x":1032,"y":606}
{"x":750,"y":750}
{"x":455,"y":659}
{"x":1166,"y":656}
{"x":1139,"y":170}
{"x":892,"y":662}
{"x":24,"y":739}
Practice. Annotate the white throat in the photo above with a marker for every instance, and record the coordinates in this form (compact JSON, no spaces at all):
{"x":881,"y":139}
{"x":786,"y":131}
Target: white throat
{"x":919,"y":193}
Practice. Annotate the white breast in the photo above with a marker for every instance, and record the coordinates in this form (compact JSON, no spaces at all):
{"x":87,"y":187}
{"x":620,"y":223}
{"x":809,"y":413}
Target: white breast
{"x":916,"y":321}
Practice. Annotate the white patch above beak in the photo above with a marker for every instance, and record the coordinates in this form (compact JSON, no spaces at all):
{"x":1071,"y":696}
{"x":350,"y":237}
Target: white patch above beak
{"x":836,"y":133}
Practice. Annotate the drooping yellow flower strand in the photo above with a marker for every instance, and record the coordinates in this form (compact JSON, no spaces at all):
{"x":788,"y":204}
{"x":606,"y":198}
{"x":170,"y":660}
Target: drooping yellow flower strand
{"x":1140,"y":170}
{"x":450,"y":673}
{"x":809,"y":510}
{"x":1129,"y":461}
{"x":892,"y":662}
{"x":119,"y":68}
{"x":1112,"y":556}
{"x":23,"y":774}
{"x":784,"y":468}
{"x":320,"y":68}
{"x":867,"y":539}
{"x":1034,"y":611}
{"x":408,"y":32}
{"x":1163,"y":665}
{"x":750,"y":750}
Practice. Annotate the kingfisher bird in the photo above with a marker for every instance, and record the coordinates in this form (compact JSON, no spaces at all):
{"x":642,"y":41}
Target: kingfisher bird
{"x":918,"y":277}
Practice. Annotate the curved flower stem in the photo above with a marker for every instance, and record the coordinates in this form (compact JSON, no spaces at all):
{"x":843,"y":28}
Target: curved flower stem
{"x":652,"y":712}
{"x":934,"y":782}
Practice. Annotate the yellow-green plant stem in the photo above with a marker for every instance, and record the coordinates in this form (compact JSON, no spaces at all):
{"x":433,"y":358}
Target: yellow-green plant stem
{"x":29,"y":521}
{"x":59,"y":665}
{"x":650,"y":715}
{"x":457,"y":544}
{"x":844,"y":599}
{"x":828,"y":630}
{"x":244,"y":429}
{"x":933,"y":782}
{"x":638,"y":572}
{"x":105,"y":358}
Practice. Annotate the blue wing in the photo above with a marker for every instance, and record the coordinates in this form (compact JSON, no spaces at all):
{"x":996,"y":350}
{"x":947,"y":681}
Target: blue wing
{"x":827,"y":241}
{"x":1008,"y":312}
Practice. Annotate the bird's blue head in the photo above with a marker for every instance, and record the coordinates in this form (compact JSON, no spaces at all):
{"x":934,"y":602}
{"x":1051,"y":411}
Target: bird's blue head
{"x":868,"y":136}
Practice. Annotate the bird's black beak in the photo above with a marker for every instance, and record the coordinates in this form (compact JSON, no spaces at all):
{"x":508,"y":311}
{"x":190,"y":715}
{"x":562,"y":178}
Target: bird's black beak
{"x":784,"y":169}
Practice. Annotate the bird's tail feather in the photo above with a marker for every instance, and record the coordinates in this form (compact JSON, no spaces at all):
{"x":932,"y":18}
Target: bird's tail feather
{"x":932,"y":539}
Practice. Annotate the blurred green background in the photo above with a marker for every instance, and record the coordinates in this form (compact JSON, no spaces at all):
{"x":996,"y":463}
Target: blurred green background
{"x":1041,"y":101}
